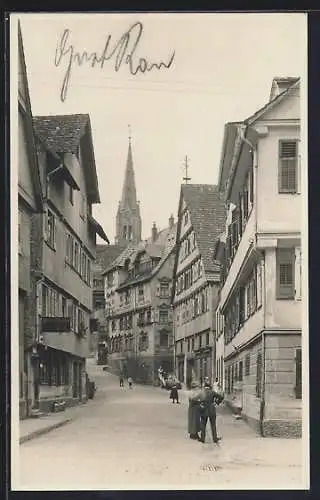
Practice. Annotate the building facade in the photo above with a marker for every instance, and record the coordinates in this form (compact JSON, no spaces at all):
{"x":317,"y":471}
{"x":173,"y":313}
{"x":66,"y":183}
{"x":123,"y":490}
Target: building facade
{"x":138,"y":290}
{"x":29,"y":202}
{"x":63,"y":252}
{"x":260,"y":300}
{"x":201,"y":218}
{"x":105,"y":255}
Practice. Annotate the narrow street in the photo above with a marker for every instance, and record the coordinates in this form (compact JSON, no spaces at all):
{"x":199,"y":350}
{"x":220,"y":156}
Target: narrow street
{"x":138,"y":439}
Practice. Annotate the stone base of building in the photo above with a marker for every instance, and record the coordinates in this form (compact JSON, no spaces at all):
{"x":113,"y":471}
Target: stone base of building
{"x":282,"y":428}
{"x":23,"y":409}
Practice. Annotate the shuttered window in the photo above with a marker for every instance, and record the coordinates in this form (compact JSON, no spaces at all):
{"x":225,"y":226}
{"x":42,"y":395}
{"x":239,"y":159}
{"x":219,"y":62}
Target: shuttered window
{"x":298,"y":387}
{"x":285,"y":273}
{"x":288,"y":163}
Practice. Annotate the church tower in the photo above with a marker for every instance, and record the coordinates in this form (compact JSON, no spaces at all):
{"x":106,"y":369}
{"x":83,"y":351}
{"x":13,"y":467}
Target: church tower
{"x":128,"y":221}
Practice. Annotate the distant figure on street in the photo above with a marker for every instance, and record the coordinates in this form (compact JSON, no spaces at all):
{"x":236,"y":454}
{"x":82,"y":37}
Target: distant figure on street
{"x":121,"y":381}
{"x":216,"y":386}
{"x":207,"y":409}
{"x":174,"y":395}
{"x":130,"y":382}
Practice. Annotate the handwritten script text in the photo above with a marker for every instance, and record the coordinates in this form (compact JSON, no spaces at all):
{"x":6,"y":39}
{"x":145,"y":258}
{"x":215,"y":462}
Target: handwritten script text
{"x":122,"y":53}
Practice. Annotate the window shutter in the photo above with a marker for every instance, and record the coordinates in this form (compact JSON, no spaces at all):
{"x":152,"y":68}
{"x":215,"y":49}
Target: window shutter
{"x":298,"y":270}
{"x":299,"y":173}
{"x":288,"y":163}
{"x":285,"y":273}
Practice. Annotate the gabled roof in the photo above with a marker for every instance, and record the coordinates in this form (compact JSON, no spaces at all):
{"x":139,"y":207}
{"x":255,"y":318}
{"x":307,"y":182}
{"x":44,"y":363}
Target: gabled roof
{"x":65,"y":134}
{"x":231,"y":134}
{"x":208,"y":216}
{"x":31,"y":143}
{"x":62,"y":133}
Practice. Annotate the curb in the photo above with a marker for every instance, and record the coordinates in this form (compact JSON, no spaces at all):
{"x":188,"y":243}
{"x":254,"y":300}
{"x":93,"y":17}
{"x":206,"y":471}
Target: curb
{"x":45,"y":430}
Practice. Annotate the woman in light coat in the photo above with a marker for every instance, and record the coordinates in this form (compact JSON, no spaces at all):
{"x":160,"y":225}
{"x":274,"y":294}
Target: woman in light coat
{"x":193,"y":411}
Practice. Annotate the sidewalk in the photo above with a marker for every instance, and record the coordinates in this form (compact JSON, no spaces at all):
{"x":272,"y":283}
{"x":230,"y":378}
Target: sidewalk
{"x":31,"y":428}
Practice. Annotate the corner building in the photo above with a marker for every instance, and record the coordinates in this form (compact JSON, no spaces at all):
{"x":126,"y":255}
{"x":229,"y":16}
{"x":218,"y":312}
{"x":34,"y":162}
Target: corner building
{"x":260,"y":300}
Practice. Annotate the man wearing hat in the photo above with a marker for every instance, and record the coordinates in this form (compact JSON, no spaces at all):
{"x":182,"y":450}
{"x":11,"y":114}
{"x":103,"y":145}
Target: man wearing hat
{"x":207,"y":409}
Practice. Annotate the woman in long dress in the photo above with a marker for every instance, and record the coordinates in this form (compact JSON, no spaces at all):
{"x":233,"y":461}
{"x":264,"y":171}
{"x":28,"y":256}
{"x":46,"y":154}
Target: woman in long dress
{"x":193,"y":411}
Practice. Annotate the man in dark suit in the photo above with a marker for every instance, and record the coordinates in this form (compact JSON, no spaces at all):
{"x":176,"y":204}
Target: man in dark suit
{"x":207,"y":409}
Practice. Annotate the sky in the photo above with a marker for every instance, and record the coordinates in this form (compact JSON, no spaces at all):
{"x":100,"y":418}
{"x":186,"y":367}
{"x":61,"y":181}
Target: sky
{"x":222,"y":71}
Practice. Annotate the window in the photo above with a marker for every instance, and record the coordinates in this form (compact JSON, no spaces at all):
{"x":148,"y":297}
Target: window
{"x":143,"y":341}
{"x":242,"y":305}
{"x":288,"y":162}
{"x":164,"y":290}
{"x":285,"y":273}
{"x":130,"y":233}
{"x":247,"y":365}
{"x":259,"y":375}
{"x":76,"y":256}
{"x":149,"y":316}
{"x":51,"y":229}
{"x":64,"y":373}
{"x":207,"y":338}
{"x":298,"y":387}
{"x":140,"y":293}
{"x":164,"y":339}
{"x":141,"y":318}
{"x":44,"y":373}
{"x":240,"y":373}
{"x":64,"y":307}
{"x":44,"y":300}
{"x":186,"y":218}
{"x":83,"y":207}
{"x":71,"y":195}
{"x":163,"y":316}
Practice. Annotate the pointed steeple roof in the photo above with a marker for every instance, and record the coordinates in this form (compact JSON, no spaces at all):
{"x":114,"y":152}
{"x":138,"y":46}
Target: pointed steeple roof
{"x":129,"y":194}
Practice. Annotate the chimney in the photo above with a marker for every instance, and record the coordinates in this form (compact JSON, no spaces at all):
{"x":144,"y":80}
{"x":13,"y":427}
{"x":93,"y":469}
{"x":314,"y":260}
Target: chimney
{"x":171,"y":222}
{"x":154,"y":232}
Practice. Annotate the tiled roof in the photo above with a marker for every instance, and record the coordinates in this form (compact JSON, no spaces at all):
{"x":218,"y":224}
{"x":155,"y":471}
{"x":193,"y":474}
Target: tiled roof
{"x":106,"y":254}
{"x":208,"y":216}
{"x":61,"y":133}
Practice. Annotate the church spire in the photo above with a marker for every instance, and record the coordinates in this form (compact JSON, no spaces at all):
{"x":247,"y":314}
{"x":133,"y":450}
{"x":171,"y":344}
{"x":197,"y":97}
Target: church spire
{"x":129,"y":194}
{"x":128,"y":217}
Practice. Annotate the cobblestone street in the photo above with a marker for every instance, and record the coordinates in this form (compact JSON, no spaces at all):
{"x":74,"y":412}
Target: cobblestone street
{"x":138,"y":439}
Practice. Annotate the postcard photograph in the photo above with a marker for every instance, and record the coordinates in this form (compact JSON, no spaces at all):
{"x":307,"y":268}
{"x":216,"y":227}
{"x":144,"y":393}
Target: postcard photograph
{"x":159,"y":277}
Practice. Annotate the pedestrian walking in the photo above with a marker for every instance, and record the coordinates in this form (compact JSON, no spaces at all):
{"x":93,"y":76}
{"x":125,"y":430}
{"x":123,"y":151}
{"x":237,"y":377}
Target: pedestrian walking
{"x":216,"y":386}
{"x":207,"y":409}
{"x":174,"y":395}
{"x":193,"y":411}
{"x":121,"y":382}
{"x":130,"y":382}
